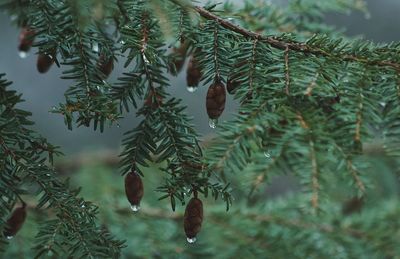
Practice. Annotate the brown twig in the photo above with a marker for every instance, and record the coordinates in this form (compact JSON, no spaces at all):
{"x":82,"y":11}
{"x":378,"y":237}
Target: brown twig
{"x":287,"y":75}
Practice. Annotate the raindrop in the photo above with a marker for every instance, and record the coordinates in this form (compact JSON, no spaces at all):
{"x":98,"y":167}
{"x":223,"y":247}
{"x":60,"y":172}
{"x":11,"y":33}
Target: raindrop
{"x":23,"y":54}
{"x":191,"y":89}
{"x":383,"y":104}
{"x":191,"y":240}
{"x":48,"y":175}
{"x":267,"y":154}
{"x":83,"y":206}
{"x":118,"y":125}
{"x":135,"y":208}
{"x":95,"y":47}
{"x":13,"y":17}
{"x":212,"y":123}
{"x":145,"y":59}
{"x":122,"y":42}
{"x":9,"y":237}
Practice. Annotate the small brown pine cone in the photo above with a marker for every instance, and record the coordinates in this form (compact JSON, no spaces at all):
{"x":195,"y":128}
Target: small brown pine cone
{"x":133,"y":188}
{"x":193,"y":217}
{"x":106,"y":65}
{"x":354,"y":205}
{"x":15,"y":222}
{"x":26,"y":38}
{"x":178,"y":57}
{"x":193,"y":73}
{"x":216,"y":97}
{"x":44,"y":62}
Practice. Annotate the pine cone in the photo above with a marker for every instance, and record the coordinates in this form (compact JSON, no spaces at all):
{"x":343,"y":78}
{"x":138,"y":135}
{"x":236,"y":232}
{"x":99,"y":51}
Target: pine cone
{"x":353,"y":205}
{"x":44,"y":62}
{"x":133,"y":188}
{"x":106,"y":65}
{"x":193,"y":217}
{"x":26,"y":38}
{"x":193,"y":73}
{"x":15,"y":222}
{"x":216,"y":97}
{"x":178,"y":57}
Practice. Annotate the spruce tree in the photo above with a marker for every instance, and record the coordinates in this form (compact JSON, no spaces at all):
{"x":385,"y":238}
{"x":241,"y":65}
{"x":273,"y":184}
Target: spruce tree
{"x":311,"y":103}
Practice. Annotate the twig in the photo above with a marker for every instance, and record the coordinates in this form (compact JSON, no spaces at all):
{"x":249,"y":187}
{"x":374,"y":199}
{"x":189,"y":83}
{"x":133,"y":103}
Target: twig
{"x":287,"y":75}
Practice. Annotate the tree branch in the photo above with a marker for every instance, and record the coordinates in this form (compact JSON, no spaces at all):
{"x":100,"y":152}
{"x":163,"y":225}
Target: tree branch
{"x":293,"y":46}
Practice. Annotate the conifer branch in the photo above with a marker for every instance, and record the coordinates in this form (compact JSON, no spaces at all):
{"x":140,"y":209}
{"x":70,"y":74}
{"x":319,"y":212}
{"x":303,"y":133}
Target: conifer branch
{"x":294,"y":46}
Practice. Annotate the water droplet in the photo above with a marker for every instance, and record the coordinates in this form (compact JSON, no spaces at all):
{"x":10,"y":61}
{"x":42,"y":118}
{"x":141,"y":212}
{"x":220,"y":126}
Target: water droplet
{"x":135,"y":208}
{"x":83,"y":206}
{"x":383,"y":104}
{"x":145,"y":59}
{"x":118,"y":125}
{"x":23,"y":54}
{"x":48,"y":175}
{"x":267,"y":154}
{"x":191,"y":240}
{"x":9,"y":237}
{"x":213,"y":123}
{"x":191,"y":89}
{"x":95,"y":47}
{"x":122,"y":42}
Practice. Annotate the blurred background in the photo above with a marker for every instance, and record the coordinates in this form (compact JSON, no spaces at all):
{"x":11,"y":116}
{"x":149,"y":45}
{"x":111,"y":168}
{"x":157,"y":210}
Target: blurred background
{"x":91,"y":157}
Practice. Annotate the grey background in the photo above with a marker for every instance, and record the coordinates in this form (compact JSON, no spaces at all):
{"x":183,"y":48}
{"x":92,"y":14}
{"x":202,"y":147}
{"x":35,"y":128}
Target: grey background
{"x":43,"y":91}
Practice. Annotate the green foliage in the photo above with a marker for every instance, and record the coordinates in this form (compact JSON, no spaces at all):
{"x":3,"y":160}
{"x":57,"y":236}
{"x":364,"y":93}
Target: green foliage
{"x":310,"y":99}
{"x":26,"y":169}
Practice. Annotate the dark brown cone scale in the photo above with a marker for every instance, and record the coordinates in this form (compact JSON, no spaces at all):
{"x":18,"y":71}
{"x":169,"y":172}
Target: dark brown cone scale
{"x":193,"y":73}
{"x":106,"y":65}
{"x":133,"y":188}
{"x":193,"y":217}
{"x":15,"y":222}
{"x":26,"y":38}
{"x":216,"y":97}
{"x":44,"y":62}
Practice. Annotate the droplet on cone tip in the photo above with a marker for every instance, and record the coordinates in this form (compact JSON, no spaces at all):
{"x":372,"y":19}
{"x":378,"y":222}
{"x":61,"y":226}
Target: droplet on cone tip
{"x":212,"y":123}
{"x":135,"y":208}
{"x":22,"y":54}
{"x":191,"y":240}
{"x":191,"y":89}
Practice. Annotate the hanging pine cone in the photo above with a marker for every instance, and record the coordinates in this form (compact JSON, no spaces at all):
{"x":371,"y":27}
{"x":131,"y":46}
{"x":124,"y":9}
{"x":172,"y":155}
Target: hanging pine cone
{"x":15,"y":222}
{"x":44,"y":62}
{"x":354,"y":205}
{"x":193,"y":218}
{"x":26,"y":38}
{"x":178,"y":57}
{"x":216,"y":97}
{"x":106,"y":65}
{"x":193,"y":72}
{"x":134,"y":189}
